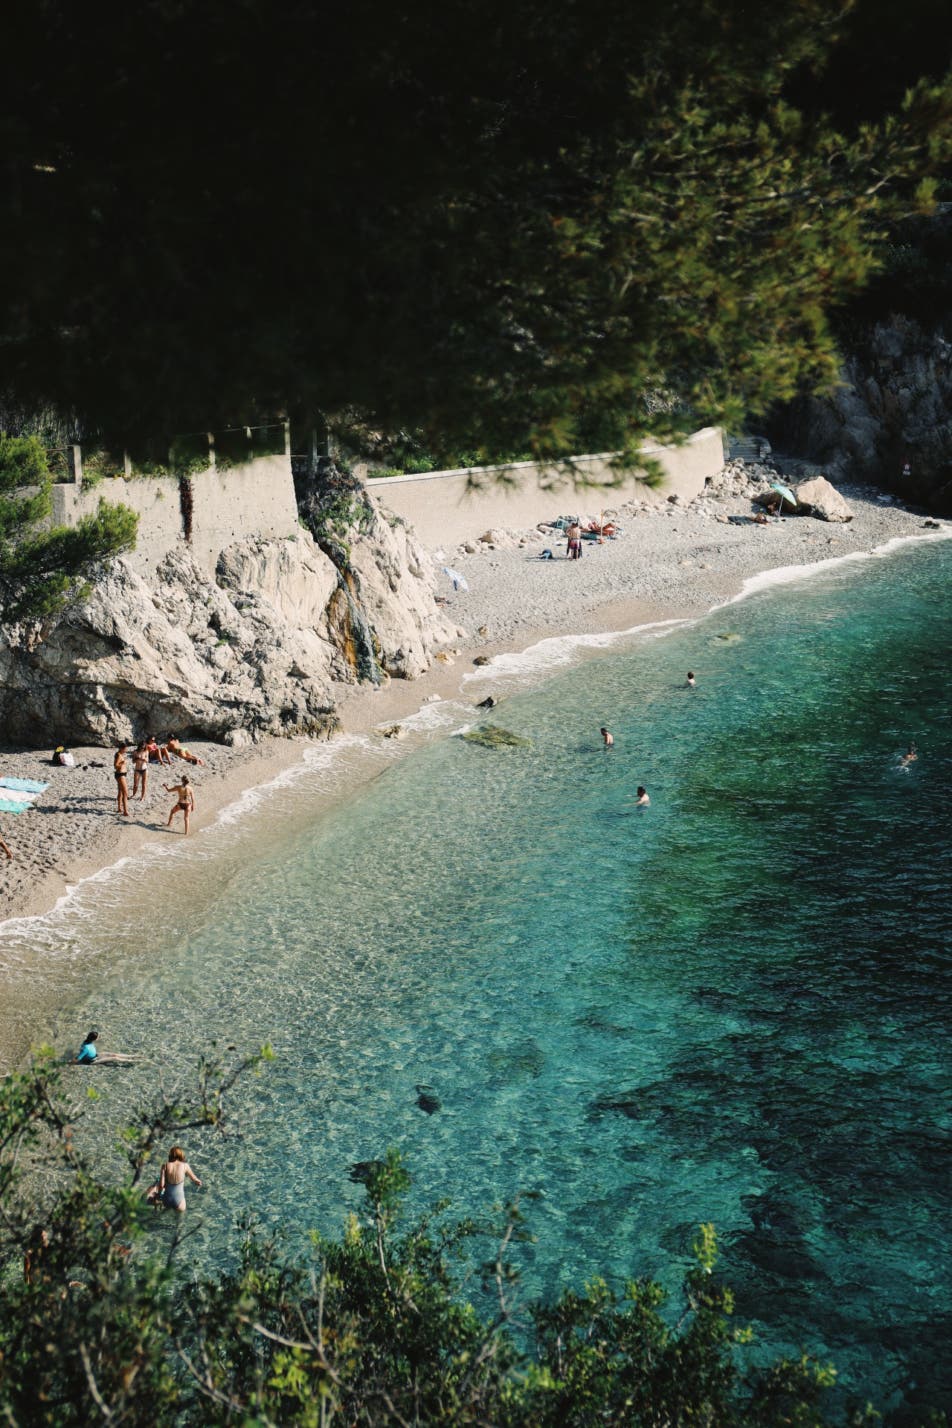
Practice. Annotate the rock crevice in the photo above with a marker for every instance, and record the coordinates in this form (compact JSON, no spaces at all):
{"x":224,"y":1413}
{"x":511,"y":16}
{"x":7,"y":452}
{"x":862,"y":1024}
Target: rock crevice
{"x":263,"y":646}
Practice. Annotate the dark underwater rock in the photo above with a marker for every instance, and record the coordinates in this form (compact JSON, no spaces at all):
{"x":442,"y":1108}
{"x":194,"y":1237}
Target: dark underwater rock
{"x":428,"y":1100}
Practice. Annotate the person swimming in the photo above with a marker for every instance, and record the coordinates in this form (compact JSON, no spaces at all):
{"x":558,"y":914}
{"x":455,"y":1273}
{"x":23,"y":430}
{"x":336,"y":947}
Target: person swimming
{"x":607,"y":739}
{"x":692,"y":682}
{"x":642,"y":801}
{"x":909,"y":757}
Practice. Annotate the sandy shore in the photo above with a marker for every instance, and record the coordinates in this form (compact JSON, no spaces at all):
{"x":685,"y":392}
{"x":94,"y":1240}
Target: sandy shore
{"x":672,"y":561}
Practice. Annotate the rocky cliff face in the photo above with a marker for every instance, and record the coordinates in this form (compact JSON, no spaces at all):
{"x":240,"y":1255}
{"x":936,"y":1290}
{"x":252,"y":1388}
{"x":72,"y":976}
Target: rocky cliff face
{"x":894,"y":406}
{"x":261,"y":647}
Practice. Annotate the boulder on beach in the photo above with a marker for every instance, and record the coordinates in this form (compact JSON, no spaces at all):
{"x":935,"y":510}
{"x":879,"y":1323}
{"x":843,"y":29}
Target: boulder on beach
{"x":821,"y":499}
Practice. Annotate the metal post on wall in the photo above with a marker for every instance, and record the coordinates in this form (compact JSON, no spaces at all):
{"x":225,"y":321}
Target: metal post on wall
{"x":76,"y":453}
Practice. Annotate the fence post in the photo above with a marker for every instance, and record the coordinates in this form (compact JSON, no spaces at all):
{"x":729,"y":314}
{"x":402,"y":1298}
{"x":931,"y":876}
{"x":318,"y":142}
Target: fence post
{"x":127,"y":465}
{"x":212,"y":459}
{"x":287,"y":438}
{"x":77,"y":459}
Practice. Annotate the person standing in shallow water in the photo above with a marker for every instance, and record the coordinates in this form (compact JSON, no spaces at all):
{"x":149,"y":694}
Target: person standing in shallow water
{"x":607,"y":739}
{"x":642,"y":801}
{"x":186,"y":800}
{"x":170,"y":1189}
{"x":122,"y":786}
{"x":692,"y":682}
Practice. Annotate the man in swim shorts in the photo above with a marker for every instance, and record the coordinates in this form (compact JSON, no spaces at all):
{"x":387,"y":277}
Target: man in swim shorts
{"x":607,"y":739}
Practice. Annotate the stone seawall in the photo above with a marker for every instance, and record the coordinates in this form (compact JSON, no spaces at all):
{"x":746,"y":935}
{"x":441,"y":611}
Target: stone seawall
{"x":446,"y":507}
{"x":226,"y":505}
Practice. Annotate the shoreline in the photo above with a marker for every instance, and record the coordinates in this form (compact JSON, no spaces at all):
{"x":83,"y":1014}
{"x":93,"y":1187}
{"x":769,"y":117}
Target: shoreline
{"x":652,"y":575}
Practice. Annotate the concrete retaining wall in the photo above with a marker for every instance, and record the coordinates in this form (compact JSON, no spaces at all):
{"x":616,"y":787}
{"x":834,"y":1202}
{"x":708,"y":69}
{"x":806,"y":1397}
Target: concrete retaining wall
{"x":446,"y":507}
{"x":256,"y":498}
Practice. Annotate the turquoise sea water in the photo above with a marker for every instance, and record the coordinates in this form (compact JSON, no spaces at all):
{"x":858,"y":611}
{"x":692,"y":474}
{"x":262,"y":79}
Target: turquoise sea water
{"x":732,"y":1006}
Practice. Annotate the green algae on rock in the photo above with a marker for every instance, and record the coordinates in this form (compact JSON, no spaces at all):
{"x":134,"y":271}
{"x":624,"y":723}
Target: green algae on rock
{"x":491,"y":736}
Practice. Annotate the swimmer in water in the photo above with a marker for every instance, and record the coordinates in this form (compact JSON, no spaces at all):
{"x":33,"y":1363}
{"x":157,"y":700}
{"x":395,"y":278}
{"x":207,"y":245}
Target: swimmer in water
{"x":642,"y":801}
{"x":909,"y":757}
{"x":692,"y":682}
{"x":607,"y":739}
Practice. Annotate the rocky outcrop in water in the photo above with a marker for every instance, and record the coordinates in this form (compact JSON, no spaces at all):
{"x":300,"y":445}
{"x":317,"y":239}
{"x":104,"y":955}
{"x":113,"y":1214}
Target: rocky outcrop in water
{"x":263,"y":646}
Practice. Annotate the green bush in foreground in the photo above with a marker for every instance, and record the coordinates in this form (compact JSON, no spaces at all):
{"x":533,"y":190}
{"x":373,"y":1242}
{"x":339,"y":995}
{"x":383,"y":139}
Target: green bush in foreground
{"x":112,"y":1325}
{"x":43,"y":569}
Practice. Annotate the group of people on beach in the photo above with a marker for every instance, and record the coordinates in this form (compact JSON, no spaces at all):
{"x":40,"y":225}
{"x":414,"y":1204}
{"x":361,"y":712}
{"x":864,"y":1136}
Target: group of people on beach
{"x":148,"y":751}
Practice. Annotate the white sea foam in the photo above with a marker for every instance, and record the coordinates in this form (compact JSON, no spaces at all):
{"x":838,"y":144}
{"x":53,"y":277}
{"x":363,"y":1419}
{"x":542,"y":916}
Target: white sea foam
{"x":444,"y":714}
{"x":560,"y":650}
{"x":106,"y":886}
{"x":790,"y":574}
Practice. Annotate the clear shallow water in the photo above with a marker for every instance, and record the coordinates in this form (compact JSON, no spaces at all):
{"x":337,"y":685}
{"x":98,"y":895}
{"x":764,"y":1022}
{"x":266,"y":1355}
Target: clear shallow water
{"x":732,"y":1006}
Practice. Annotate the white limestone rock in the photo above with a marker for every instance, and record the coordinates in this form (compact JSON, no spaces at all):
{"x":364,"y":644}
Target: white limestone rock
{"x":260,"y":648}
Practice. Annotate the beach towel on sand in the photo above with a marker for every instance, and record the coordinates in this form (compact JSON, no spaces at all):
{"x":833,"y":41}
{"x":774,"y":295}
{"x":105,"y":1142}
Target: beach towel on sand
{"x":8,"y":806}
{"x":24,"y":785}
{"x":13,"y":795}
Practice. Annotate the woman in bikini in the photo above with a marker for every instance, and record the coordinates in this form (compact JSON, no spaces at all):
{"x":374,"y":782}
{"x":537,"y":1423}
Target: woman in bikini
{"x":186,"y":800}
{"x":140,"y":769}
{"x":170,"y":1190}
{"x":174,"y":747}
{"x":158,"y":754}
{"x":122,"y":787}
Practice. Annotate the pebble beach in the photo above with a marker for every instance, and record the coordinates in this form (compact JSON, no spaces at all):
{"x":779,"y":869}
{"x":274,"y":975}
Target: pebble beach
{"x":670,"y":560}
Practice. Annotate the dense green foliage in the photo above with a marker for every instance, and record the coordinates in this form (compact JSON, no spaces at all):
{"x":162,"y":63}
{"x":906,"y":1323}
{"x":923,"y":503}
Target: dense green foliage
{"x":41,"y":570}
{"x":106,"y":1321}
{"x":511,"y":227}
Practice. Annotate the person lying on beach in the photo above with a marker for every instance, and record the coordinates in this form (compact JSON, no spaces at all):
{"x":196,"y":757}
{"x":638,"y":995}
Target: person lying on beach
{"x":186,"y":800}
{"x":169,"y":1189}
{"x":157,"y":754}
{"x":607,"y":739}
{"x":174,"y":747}
{"x":4,"y":848}
{"x":88,"y":1053}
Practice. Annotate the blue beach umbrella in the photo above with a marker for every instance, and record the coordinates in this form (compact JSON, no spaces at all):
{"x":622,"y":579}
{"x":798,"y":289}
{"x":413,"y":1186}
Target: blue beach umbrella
{"x":785,"y":492}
